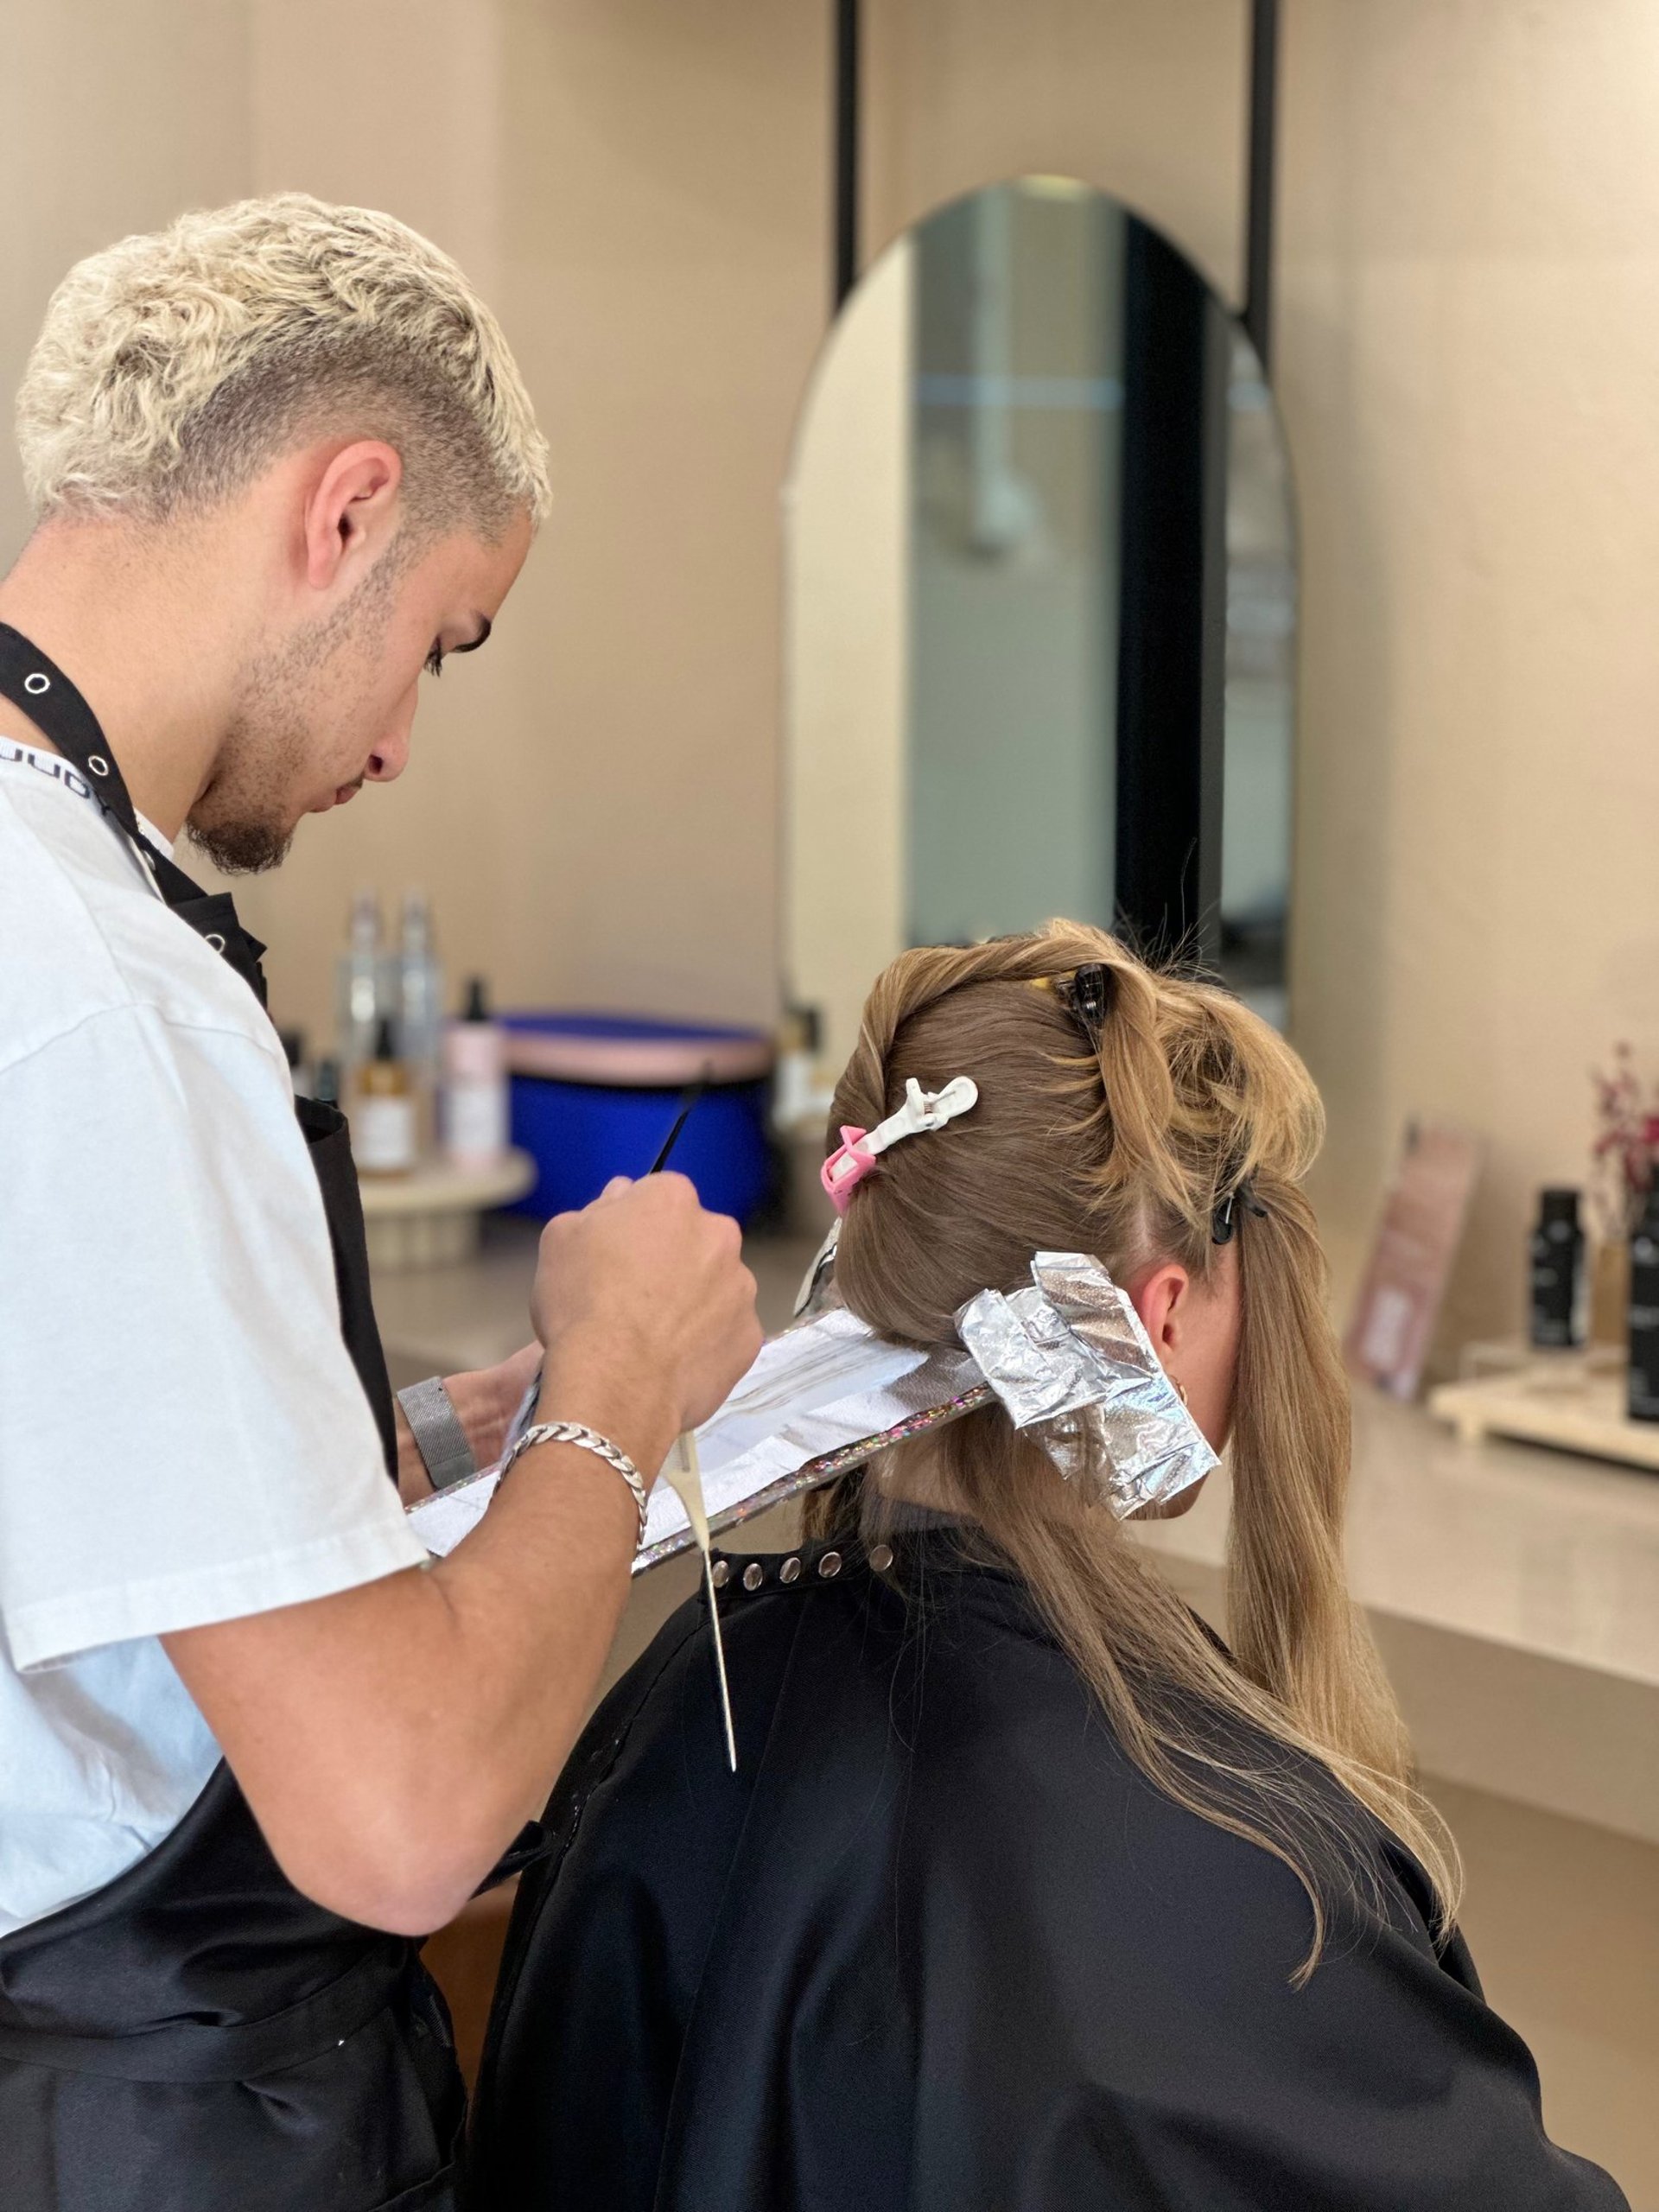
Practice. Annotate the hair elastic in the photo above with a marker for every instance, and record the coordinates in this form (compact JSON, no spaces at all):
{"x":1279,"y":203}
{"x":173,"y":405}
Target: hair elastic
{"x":859,"y":1149}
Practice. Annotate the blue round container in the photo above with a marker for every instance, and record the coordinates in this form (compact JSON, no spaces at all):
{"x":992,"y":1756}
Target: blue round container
{"x":594,"y":1096}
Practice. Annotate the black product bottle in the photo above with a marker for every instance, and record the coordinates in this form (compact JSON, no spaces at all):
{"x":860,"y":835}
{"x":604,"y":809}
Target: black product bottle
{"x":1643,"y":1402}
{"x":1557,"y":1315}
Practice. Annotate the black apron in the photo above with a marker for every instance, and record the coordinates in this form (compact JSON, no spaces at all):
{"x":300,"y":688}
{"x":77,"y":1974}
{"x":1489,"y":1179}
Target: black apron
{"x":197,"y":2037}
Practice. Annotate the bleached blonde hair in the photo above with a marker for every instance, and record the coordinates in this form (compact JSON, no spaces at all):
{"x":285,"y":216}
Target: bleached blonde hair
{"x":173,"y":367}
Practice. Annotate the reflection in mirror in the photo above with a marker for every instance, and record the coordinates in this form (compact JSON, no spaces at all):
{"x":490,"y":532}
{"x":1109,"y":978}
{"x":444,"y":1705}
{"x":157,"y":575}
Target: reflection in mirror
{"x":1041,"y":606}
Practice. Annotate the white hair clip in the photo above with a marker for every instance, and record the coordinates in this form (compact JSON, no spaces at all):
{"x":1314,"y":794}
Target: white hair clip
{"x":859,"y":1149}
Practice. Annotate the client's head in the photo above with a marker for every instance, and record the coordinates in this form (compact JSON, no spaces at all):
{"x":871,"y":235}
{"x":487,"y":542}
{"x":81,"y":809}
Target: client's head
{"x":1166,"y":1130}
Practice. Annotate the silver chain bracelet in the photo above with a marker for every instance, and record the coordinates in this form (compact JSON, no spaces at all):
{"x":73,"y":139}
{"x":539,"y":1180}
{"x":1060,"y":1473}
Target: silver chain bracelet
{"x":589,"y":1440}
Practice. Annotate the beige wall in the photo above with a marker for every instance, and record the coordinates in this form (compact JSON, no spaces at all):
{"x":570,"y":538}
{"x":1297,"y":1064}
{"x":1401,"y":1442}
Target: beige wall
{"x":112,"y":118}
{"x":1468,"y":335}
{"x":1140,"y":96}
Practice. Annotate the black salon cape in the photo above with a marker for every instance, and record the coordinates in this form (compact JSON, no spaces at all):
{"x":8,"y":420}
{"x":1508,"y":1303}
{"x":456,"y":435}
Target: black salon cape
{"x":938,"y":1946}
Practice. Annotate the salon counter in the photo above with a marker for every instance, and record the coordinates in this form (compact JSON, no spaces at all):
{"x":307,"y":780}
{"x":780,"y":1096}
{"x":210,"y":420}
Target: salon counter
{"x":1515,"y":1591}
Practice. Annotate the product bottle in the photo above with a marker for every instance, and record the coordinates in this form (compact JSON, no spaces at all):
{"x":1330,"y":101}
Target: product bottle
{"x":357,"y":1005}
{"x":383,"y":1122}
{"x":1558,"y":1283}
{"x":474,"y":1084}
{"x":1643,"y":1401}
{"x":418,"y":997}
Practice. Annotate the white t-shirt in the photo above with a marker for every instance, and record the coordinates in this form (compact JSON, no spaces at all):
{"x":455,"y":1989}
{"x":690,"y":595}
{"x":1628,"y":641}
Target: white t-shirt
{"x":183,"y":1437}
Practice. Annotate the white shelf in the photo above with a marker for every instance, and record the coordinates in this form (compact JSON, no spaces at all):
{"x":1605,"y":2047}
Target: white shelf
{"x":1571,"y":1408}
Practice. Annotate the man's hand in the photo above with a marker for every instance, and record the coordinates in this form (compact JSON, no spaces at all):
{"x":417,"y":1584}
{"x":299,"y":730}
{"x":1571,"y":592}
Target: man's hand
{"x":647,"y":1313}
{"x":392,"y":1738}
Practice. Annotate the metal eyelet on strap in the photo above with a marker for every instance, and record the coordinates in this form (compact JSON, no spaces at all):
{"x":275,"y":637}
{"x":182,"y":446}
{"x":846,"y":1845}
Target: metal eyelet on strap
{"x":882,"y":1558}
{"x":829,"y":1565}
{"x":722,"y":1573}
{"x":215,"y":940}
{"x":35,"y":683}
{"x":98,"y":764}
{"x":754,"y":1575}
{"x":790,"y":1570}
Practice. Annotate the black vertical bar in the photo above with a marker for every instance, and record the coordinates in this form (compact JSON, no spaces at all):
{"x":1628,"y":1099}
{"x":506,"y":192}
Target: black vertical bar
{"x":1263,"y":131}
{"x":1217,"y":342}
{"x":846,"y":148}
{"x":1162,"y":632}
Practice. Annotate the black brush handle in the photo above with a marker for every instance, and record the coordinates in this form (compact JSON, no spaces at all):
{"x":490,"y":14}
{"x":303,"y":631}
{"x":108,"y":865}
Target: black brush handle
{"x":689,"y":1099}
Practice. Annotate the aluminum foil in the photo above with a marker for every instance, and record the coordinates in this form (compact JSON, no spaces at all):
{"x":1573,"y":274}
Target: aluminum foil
{"x":818,"y":1288}
{"x":821,"y":1398}
{"x":931,"y":1396}
{"x":1071,"y":1363}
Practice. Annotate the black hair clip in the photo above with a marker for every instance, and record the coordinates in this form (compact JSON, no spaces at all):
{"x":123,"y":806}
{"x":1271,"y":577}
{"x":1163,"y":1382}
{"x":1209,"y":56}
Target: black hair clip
{"x":1087,"y":997}
{"x":1224,"y":1224}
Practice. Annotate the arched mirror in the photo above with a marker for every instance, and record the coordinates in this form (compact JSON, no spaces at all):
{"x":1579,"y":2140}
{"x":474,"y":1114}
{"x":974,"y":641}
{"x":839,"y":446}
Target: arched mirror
{"x":1041,"y":606}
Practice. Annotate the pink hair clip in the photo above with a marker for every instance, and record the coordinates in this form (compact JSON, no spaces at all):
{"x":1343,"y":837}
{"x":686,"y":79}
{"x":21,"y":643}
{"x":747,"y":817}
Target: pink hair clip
{"x":846,"y":1168}
{"x":859,"y":1149}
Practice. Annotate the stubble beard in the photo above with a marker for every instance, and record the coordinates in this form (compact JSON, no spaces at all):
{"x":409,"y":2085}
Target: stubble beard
{"x":242,"y":820}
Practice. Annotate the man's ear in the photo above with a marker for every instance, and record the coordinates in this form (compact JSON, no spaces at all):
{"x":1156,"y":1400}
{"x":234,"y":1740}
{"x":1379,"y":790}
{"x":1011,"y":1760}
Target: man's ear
{"x":352,"y":513}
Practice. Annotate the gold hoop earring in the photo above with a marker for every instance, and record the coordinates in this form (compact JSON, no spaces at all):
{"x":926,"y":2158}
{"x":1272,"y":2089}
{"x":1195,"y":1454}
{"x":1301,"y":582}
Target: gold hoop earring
{"x":1180,"y":1391}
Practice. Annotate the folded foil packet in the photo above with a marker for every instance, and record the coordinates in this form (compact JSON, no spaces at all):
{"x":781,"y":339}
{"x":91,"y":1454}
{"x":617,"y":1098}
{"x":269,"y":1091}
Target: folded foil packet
{"x":1071,"y":1363}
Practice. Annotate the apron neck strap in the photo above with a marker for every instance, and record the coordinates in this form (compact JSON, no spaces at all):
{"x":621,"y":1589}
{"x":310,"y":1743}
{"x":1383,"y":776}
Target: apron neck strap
{"x":45,"y":695}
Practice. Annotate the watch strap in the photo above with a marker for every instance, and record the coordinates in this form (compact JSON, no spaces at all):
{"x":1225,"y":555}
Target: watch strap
{"x":439,"y":1437}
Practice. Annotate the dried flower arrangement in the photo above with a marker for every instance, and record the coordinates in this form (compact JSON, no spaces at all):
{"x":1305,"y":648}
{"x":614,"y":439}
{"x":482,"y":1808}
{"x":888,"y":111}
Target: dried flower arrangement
{"x":1626,"y":1147}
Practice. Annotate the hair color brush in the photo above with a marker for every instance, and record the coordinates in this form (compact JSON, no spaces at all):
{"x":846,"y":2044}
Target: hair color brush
{"x":682,"y":1474}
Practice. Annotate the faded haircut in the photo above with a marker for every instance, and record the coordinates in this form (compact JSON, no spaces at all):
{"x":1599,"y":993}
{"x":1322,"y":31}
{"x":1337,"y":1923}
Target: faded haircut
{"x":173,"y":367}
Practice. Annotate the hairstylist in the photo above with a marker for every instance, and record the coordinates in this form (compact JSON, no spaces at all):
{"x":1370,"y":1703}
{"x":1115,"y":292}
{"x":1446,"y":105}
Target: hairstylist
{"x":249,"y":1747}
